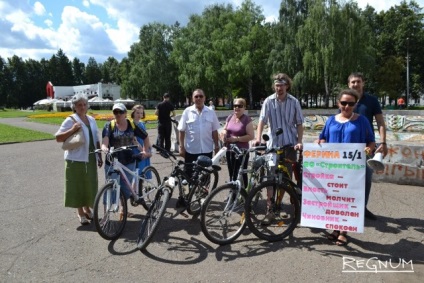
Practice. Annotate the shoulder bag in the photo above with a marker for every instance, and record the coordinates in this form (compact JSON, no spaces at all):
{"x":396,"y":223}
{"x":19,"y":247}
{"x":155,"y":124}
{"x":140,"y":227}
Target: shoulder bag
{"x":76,"y":140}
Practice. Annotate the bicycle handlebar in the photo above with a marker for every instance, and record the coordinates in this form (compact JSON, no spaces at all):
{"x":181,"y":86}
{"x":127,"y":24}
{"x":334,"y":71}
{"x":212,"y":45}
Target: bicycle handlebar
{"x":164,"y":153}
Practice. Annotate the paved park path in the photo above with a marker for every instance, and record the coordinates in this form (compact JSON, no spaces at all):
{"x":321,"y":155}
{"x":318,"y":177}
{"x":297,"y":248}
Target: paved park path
{"x":41,"y":241}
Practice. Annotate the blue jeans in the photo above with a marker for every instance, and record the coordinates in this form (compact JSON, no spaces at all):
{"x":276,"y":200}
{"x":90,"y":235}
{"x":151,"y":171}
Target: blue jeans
{"x":368,"y":183}
{"x":124,"y":187}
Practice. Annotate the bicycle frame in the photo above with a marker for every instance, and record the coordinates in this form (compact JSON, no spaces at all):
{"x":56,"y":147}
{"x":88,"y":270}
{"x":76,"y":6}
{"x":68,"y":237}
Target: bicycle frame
{"x":120,"y":169}
{"x":239,"y":182}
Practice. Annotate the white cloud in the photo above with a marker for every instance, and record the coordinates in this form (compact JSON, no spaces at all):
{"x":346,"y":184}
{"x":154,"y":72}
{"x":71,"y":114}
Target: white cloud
{"x":39,"y":9}
{"x":48,"y":23}
{"x":124,"y":36}
{"x":38,"y":30}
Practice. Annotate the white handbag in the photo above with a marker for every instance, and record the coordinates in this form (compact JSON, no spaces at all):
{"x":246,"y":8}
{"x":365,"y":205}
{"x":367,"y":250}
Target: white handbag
{"x":76,"y":140}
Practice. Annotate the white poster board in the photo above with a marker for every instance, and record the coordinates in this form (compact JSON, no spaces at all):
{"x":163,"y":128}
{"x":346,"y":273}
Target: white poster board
{"x":333,"y":188}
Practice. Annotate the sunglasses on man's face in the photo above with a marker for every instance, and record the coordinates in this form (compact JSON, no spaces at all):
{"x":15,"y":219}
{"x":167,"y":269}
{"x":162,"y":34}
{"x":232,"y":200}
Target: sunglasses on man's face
{"x":198,"y":96}
{"x":116,"y":112}
{"x":238,"y":106}
{"x":350,"y":103}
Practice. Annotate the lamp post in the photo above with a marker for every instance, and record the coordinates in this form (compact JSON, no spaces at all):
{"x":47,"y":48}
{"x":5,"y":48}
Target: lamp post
{"x":407,"y":72}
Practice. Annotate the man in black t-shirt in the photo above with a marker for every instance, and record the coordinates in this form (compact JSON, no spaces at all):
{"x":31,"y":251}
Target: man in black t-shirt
{"x":165,"y":110}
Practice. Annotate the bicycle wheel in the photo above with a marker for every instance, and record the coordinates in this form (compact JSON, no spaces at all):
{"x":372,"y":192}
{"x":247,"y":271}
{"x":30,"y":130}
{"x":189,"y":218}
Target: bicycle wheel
{"x":210,"y":181}
{"x":195,"y":198}
{"x":150,"y":183}
{"x":150,"y":223}
{"x":222,"y":216}
{"x":110,"y":212}
{"x":286,"y":215}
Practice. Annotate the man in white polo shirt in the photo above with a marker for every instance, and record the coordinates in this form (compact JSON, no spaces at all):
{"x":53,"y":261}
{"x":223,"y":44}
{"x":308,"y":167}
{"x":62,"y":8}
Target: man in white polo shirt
{"x":198,"y":129}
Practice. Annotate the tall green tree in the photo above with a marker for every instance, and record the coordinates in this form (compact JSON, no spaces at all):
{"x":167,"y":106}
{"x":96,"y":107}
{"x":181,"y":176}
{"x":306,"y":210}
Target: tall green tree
{"x":401,"y":33}
{"x":18,"y":76}
{"x":244,"y":48}
{"x":110,"y":71}
{"x":335,"y":41}
{"x":152,"y":72}
{"x":78,"y":69}
{"x":60,"y":69}
{"x":198,"y":60}
{"x":93,"y":74}
{"x":35,"y":85}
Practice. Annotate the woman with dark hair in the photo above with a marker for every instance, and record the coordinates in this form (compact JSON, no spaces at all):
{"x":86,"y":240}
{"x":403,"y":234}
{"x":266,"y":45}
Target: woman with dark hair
{"x":81,"y":181}
{"x":347,"y":127}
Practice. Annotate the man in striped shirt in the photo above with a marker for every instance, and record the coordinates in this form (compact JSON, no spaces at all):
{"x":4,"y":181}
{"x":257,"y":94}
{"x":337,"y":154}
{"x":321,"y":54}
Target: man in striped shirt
{"x":281,"y":110}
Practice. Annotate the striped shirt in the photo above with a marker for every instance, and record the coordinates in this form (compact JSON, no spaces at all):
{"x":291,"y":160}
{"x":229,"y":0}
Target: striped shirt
{"x":285,"y":114}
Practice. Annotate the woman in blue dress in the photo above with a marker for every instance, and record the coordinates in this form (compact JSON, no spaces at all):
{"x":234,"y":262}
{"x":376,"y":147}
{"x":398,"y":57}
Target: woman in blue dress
{"x":347,"y":127}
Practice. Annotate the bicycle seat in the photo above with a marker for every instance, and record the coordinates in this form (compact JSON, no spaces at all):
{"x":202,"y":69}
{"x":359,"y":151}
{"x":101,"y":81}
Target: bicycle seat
{"x":204,"y":161}
{"x":216,"y":168}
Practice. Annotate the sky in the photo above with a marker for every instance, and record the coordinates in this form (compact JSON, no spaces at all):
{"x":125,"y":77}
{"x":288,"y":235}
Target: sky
{"x":103,"y":28}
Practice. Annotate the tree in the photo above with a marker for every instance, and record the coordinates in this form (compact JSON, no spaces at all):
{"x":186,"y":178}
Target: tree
{"x":243,"y":48}
{"x":401,"y":32}
{"x":334,"y":41}
{"x":78,"y":69}
{"x":110,"y":71}
{"x":93,"y":74}
{"x":60,"y":70}
{"x":152,"y":73}
{"x":195,"y":53}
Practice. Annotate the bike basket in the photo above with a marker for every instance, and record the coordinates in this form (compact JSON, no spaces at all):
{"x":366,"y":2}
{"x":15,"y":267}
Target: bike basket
{"x":204,"y":161}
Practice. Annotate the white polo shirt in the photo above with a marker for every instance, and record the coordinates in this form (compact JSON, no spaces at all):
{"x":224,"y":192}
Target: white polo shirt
{"x":198,"y":128}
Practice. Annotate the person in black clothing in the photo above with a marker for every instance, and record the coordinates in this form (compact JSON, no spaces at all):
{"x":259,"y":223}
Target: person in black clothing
{"x":165,"y":110}
{"x":369,"y":107}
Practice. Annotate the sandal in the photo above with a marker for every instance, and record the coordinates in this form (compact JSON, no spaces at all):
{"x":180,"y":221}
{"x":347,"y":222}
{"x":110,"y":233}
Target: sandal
{"x":89,"y":215}
{"x":83,"y":220}
{"x":342,"y":240}
{"x":333,"y":236}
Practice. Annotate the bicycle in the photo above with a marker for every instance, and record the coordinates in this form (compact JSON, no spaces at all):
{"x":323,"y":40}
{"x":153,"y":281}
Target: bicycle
{"x":110,"y":205}
{"x":222,"y":216}
{"x":279,"y":195}
{"x":189,"y":199}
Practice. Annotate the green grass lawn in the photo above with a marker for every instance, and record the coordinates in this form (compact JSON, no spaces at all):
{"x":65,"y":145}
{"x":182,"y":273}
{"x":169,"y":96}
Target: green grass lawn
{"x":10,"y":134}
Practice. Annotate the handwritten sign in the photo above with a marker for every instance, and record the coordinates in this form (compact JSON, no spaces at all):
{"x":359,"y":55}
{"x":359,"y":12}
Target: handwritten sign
{"x":333,"y":188}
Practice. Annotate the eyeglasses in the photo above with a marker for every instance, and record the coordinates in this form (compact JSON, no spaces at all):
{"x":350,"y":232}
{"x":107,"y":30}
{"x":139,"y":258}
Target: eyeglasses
{"x":350,"y":103}
{"x":238,"y":106}
{"x":198,"y":96}
{"x":116,"y":112}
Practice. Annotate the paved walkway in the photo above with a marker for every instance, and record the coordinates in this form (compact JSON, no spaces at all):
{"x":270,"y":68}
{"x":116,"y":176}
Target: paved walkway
{"x":41,"y":241}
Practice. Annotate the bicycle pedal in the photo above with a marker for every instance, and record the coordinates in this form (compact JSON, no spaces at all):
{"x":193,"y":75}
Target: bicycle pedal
{"x":143,"y":203}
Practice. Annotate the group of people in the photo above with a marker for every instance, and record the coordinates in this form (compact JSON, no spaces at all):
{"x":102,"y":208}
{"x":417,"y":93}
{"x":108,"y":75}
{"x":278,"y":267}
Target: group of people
{"x":81,"y":182}
{"x":198,"y":135}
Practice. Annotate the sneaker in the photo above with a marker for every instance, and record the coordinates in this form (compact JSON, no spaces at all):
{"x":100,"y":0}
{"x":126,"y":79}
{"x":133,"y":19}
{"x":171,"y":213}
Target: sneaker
{"x":268,"y":218}
{"x":369,"y":215}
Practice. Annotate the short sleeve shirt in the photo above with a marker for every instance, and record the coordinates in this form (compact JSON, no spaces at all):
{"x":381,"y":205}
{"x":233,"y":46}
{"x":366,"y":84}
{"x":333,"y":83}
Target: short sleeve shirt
{"x":198,"y":128}
{"x":286,"y":115}
{"x":368,"y":106}
{"x":119,"y":138}
{"x":164,"y":111}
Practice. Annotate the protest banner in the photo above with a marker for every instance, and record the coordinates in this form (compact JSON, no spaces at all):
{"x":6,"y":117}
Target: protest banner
{"x":333,"y":188}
